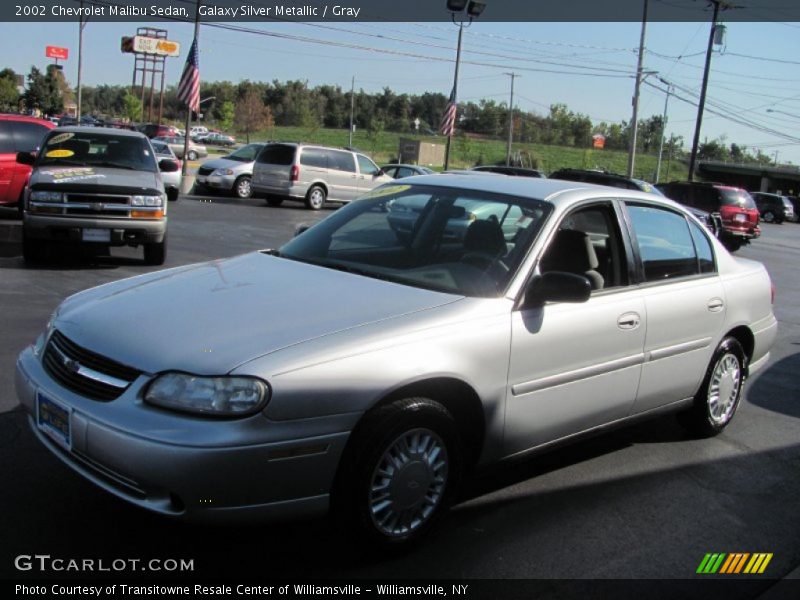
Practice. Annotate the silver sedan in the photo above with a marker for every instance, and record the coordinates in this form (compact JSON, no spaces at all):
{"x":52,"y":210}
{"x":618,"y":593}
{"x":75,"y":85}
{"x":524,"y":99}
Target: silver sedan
{"x":367,"y":372}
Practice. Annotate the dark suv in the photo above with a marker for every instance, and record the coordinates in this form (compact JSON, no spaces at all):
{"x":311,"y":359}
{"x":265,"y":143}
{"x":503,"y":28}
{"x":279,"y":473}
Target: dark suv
{"x":773,"y":208}
{"x":735,"y":206}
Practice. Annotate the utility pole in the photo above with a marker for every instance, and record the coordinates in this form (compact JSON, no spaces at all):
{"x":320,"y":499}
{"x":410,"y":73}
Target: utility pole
{"x":635,"y":118}
{"x":81,"y":24}
{"x":352,"y":107}
{"x":663,"y":131}
{"x":510,"y":117}
{"x":702,"y":104}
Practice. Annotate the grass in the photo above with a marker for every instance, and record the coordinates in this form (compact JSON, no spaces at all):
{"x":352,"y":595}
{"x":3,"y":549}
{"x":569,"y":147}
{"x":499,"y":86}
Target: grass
{"x":475,"y":150}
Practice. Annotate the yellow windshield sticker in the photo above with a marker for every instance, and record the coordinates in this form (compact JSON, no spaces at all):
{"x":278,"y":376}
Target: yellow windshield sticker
{"x":387,"y":190}
{"x":61,"y":137}
{"x":60,"y":153}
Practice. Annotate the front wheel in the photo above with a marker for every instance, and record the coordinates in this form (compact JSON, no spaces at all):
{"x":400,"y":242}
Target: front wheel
{"x":155,"y":254}
{"x":400,"y":472}
{"x":242,"y":188}
{"x":719,"y":395}
{"x":315,"y":198}
{"x":33,"y":251}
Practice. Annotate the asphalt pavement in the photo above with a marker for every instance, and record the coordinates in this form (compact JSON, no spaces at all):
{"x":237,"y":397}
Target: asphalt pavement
{"x":646,"y":501}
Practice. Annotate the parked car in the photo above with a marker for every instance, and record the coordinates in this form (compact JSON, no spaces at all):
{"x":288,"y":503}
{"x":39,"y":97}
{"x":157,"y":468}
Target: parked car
{"x":509,"y":170}
{"x":95,"y":186}
{"x":18,"y":133}
{"x":153,"y":130}
{"x":172,"y":179}
{"x":196,"y":130}
{"x":176,"y":143}
{"x":795,"y":200}
{"x":218,"y":139}
{"x":232,"y":173}
{"x":398,"y":171}
{"x":441,"y":356}
{"x":773,"y":208}
{"x":736,"y":208}
{"x":313,"y":174}
{"x":67,"y":121}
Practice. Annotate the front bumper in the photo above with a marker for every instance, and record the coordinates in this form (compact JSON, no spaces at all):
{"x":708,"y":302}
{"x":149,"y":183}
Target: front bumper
{"x":217,"y":182}
{"x":187,"y":467}
{"x":69,"y":229}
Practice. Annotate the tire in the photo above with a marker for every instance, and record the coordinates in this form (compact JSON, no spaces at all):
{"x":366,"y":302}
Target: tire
{"x":155,"y":254}
{"x":191,"y":155}
{"x":33,"y":251}
{"x":768,"y":216}
{"x":393,"y":506}
{"x":241,"y":187}
{"x":273,"y":201}
{"x":732,"y":244}
{"x":315,"y":197}
{"x":172,"y":194}
{"x":718,"y":398}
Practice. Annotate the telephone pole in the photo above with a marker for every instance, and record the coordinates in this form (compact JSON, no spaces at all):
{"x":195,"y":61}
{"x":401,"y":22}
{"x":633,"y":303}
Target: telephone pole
{"x":510,"y":117}
{"x":635,"y":118}
{"x":352,"y":105}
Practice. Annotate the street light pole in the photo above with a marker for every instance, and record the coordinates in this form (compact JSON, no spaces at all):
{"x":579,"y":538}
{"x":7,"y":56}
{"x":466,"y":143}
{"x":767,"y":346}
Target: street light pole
{"x":352,"y":107}
{"x":663,"y":133}
{"x":510,"y":118}
{"x":635,"y":118}
{"x":81,"y":24}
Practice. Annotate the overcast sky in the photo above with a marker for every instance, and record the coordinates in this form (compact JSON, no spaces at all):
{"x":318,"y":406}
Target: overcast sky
{"x":587,"y":66}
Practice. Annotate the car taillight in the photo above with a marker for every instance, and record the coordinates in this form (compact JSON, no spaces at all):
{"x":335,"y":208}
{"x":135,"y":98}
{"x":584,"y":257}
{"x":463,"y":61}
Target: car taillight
{"x":294,"y":174}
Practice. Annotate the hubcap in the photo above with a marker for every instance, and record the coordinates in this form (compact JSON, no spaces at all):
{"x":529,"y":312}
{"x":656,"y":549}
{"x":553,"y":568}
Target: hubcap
{"x":317,"y":198}
{"x":244,"y":188}
{"x":723,"y":389}
{"x":408,"y":482}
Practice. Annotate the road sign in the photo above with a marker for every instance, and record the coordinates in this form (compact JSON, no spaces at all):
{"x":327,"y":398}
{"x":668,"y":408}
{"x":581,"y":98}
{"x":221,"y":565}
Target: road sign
{"x":140,"y":44}
{"x":56,"y":52}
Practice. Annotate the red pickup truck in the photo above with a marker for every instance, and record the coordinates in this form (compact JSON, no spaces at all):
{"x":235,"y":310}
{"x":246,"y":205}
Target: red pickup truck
{"x":18,"y":133}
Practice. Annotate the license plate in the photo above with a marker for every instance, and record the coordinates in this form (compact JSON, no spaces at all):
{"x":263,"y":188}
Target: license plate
{"x":54,"y":420}
{"x":96,"y":235}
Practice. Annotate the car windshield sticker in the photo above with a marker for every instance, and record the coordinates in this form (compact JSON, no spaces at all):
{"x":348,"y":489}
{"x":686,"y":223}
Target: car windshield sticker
{"x":61,"y":137}
{"x":387,"y":191}
{"x":59,"y":153}
{"x":75,"y":174}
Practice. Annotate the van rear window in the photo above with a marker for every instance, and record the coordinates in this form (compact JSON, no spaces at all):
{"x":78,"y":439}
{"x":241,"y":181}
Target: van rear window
{"x":276,"y":154}
{"x":737,"y":198}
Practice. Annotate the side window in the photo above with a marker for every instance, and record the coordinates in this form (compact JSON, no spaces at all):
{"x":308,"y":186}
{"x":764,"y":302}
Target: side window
{"x":366,"y":166}
{"x":341,"y":161}
{"x":588,"y":242}
{"x":6,"y":140}
{"x":393,"y":172}
{"x":28,"y":136}
{"x":314,"y":157}
{"x":665,"y":243}
{"x":705,"y":255}
{"x":404,"y":172}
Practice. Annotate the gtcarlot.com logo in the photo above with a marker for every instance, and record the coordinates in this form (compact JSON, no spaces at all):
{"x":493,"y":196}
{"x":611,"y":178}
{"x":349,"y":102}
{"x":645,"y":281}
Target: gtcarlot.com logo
{"x":736,"y":563}
{"x":45,"y":562}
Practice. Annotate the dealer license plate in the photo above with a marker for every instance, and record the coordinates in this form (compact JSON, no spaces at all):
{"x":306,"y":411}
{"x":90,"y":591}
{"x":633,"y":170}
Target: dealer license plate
{"x":55,"y":420}
{"x":96,"y":235}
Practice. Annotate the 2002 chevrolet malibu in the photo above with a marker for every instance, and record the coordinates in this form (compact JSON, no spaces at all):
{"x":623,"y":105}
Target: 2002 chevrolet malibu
{"x":431,"y":327}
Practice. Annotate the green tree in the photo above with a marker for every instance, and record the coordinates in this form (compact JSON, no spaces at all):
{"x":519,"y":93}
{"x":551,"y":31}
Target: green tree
{"x":251,"y":114}
{"x":132,"y":107}
{"x":227,"y":112}
{"x":9,"y":96}
{"x":374,"y":134}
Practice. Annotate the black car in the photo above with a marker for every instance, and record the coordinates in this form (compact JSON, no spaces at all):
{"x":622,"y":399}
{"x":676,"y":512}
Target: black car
{"x":773,"y":208}
{"x":508,"y":170}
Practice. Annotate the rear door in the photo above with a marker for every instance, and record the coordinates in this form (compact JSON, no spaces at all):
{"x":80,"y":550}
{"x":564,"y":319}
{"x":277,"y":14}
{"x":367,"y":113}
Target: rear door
{"x":273,"y":166}
{"x":342,"y":176}
{"x":8,"y":161}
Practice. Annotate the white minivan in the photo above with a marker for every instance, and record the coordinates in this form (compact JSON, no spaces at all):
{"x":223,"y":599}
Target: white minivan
{"x":313,"y":174}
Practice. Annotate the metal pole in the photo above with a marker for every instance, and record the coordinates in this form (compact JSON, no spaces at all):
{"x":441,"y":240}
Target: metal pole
{"x":701,"y":106}
{"x":663,"y":133}
{"x":81,"y":25}
{"x":455,"y":94}
{"x":510,"y":118}
{"x":189,"y":110}
{"x":352,"y":108}
{"x":635,"y":119}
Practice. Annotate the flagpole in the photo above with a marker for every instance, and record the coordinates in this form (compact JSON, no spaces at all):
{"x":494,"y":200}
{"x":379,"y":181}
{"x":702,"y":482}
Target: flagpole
{"x":188,"y":109}
{"x":455,"y":96}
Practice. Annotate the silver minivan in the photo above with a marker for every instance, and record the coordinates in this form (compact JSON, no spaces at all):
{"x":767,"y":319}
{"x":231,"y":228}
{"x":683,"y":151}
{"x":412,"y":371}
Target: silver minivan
{"x":313,"y":174}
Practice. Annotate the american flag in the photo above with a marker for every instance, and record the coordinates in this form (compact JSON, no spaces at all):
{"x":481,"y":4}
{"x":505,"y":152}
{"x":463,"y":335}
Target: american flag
{"x":448,"y":124}
{"x":189,"y":86}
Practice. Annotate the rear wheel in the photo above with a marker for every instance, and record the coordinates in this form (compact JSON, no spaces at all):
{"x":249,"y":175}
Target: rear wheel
{"x":732,"y":244}
{"x":719,"y":395}
{"x":400,"y":472}
{"x":172,"y":194}
{"x":155,"y":254}
{"x":242,"y":188}
{"x":768,"y":216}
{"x":315,"y":198}
{"x":192,"y":155}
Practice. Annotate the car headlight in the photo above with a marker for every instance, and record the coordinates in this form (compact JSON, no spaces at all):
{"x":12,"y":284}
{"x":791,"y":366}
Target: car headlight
{"x":221,"y":396}
{"x":223,"y":172}
{"x":146,"y":201}
{"x":39,"y":345}
{"x":46,"y":196}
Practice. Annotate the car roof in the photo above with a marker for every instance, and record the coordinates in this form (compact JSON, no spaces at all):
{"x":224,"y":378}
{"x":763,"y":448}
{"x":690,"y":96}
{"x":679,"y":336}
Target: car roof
{"x":110,"y":131}
{"x":25,"y":119}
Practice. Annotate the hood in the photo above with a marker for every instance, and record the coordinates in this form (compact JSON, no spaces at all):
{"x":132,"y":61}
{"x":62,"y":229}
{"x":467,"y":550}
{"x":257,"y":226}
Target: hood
{"x":94,"y":180}
{"x":226,"y":163}
{"x":209,"y":318}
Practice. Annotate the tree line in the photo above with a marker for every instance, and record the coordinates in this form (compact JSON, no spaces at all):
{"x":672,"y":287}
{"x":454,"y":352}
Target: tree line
{"x":251,"y":106}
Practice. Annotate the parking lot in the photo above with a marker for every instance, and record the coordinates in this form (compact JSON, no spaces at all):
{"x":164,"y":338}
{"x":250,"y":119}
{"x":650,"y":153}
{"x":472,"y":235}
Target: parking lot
{"x":642,"y":502}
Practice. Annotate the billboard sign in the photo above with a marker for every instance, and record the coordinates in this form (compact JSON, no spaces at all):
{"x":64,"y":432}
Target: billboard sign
{"x":139,"y":44}
{"x":56,"y":52}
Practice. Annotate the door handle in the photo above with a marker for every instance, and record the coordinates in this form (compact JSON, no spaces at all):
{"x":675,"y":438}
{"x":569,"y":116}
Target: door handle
{"x":630,"y":320}
{"x":715,"y":305}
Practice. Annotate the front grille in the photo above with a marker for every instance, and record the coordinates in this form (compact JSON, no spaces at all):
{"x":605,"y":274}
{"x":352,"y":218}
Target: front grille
{"x":69,"y":364}
{"x":98,"y":205}
{"x":204,"y":171}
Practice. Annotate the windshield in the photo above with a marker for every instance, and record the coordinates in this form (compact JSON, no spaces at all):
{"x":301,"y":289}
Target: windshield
{"x":246,"y":153}
{"x":732,"y":197}
{"x":464,"y":242}
{"x":97,"y":149}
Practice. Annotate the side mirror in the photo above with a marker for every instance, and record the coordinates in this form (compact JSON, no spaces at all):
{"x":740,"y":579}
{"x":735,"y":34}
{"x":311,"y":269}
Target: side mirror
{"x":556,"y":286}
{"x":26,"y":158}
{"x":167,"y":165}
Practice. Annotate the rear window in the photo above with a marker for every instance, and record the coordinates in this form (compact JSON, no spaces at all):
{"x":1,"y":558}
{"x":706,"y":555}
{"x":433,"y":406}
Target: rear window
{"x":277,"y":154}
{"x":28,"y":136}
{"x":738,"y":198}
